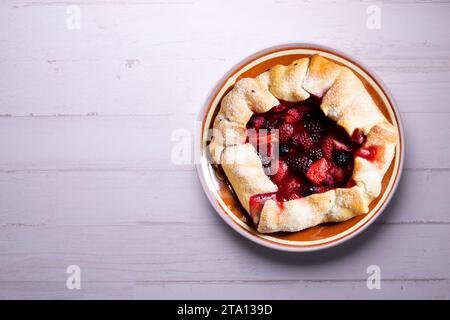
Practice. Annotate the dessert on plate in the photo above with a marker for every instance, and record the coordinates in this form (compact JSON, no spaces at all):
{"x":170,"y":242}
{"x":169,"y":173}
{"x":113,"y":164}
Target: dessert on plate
{"x":302,"y":144}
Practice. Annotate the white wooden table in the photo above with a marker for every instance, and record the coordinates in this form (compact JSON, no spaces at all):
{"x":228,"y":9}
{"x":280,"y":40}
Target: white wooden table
{"x":85,"y":140}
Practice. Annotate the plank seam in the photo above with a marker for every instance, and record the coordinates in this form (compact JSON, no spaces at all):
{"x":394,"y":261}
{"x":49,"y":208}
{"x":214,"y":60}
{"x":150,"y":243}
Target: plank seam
{"x":275,"y":281}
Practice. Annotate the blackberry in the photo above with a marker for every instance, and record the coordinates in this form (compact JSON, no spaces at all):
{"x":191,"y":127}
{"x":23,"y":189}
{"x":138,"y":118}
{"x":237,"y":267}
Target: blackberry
{"x":315,"y":127}
{"x":341,"y":157}
{"x":316,"y":189}
{"x":315,"y":136}
{"x":299,"y":164}
{"x":269,"y":125}
{"x":307,"y":115}
{"x":315,"y":154}
{"x":284,"y":150}
{"x":273,"y":122}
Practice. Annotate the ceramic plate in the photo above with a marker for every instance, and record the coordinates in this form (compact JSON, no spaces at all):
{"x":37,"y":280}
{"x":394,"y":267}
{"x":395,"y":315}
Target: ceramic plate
{"x":221,"y":194}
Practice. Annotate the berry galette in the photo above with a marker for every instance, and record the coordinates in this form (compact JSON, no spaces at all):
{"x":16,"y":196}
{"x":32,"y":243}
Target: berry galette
{"x":302,"y":144}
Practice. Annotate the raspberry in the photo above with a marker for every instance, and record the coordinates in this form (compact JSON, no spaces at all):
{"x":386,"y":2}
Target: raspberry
{"x":303,"y":140}
{"x":315,"y":154}
{"x":341,"y":157}
{"x":327,"y":147}
{"x":280,"y":108}
{"x":299,"y":164}
{"x":317,"y":173}
{"x":286,"y":131}
{"x":292,"y":115}
{"x":258,"y":122}
{"x":281,"y":172}
{"x":314,"y":127}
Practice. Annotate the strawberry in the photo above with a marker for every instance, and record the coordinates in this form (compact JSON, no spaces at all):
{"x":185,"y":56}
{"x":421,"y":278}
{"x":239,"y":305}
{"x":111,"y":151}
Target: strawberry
{"x":331,"y":143}
{"x":339,"y":145}
{"x":281,"y":172}
{"x":292,"y":115}
{"x":317,"y":172}
{"x":335,"y":176}
{"x":339,"y":176}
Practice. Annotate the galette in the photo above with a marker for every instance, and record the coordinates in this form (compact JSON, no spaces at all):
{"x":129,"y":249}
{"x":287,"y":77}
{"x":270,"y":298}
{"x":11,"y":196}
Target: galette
{"x":302,"y":144}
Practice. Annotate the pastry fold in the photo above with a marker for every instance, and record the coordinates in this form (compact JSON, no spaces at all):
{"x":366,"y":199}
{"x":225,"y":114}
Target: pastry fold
{"x":344,"y":99}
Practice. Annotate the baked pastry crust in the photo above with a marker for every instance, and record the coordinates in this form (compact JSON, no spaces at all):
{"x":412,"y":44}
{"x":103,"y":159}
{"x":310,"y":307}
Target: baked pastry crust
{"x":344,"y":99}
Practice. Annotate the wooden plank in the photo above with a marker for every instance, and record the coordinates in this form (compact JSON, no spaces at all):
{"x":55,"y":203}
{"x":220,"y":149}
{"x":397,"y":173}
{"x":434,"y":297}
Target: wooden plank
{"x":137,"y":198}
{"x":411,"y":81}
{"x":144,"y":143}
{"x":294,"y":290}
{"x":215,"y":253}
{"x":58,"y":290}
{"x":111,"y":49}
{"x":121,"y":30}
{"x":404,"y":289}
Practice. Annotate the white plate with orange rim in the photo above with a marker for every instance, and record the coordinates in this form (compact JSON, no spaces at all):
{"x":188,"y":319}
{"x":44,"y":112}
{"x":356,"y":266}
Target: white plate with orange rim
{"x":220,"y":193}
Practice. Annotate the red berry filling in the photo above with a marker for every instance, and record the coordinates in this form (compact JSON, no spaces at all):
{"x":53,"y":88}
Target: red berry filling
{"x":257,"y":202}
{"x":372,"y":153}
{"x":315,"y":154}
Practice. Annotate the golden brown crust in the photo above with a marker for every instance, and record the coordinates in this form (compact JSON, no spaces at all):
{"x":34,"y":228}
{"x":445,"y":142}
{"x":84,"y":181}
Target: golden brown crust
{"x":285,"y":82}
{"x":321,"y":75}
{"x":344,"y":100}
{"x":248,"y":96}
{"x":242,"y":164}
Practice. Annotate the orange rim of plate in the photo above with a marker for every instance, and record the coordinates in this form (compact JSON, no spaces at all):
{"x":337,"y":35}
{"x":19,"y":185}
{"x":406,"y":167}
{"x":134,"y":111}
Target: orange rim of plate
{"x":213,"y":102}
